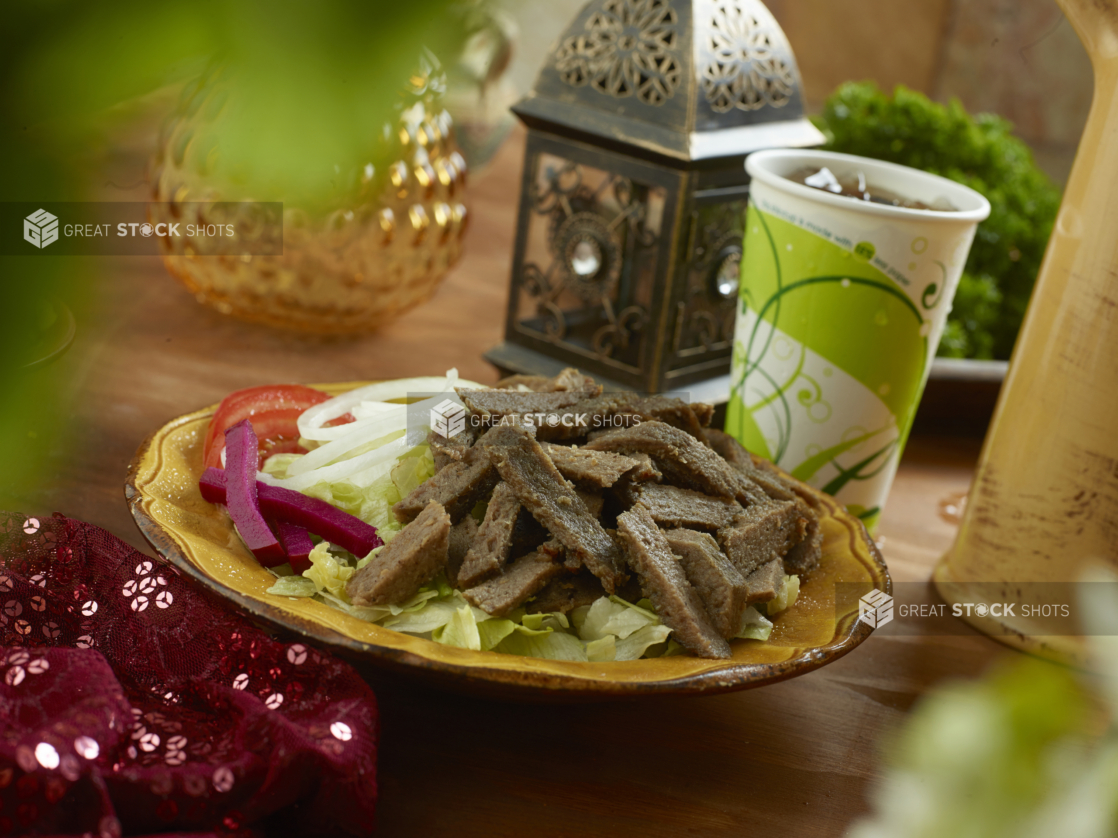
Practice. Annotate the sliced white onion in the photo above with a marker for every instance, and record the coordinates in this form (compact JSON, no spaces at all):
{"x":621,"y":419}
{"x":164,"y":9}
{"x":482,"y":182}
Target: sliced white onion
{"x":372,"y":410}
{"x":386,"y":453}
{"x":375,"y":418}
{"x":318,"y":415}
{"x":363,"y":413}
{"x":361,"y":433}
{"x":366,"y":431}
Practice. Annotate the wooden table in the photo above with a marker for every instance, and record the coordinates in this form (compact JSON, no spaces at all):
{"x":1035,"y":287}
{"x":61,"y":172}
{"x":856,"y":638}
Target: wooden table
{"x":795,"y":758}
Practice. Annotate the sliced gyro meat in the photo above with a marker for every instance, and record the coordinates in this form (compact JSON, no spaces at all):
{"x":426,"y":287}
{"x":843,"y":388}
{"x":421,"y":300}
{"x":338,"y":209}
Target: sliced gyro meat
{"x":527,"y":533}
{"x":645,"y":470}
{"x":672,"y":506}
{"x":406,"y":563}
{"x":458,"y":487}
{"x":447,"y":451}
{"x":491,"y":406}
{"x":525,"y":466}
{"x":683,"y":460}
{"x":671,"y":411}
{"x":491,"y":545}
{"x":803,"y":556}
{"x":627,"y":490}
{"x":614,"y":410}
{"x":462,"y":537}
{"x":520,"y":579}
{"x":566,"y":592}
{"x":724,"y":591}
{"x":704,"y":412}
{"x":762,"y":532}
{"x":595,"y":468}
{"x":663,"y":581}
{"x":589,"y":416}
{"x":766,"y":582}
{"x":568,"y":379}
{"x":594,"y":502}
{"x":734,"y":453}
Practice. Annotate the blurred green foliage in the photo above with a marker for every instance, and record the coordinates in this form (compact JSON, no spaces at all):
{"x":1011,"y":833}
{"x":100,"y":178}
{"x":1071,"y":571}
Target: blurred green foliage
{"x":315,"y":85}
{"x":1030,"y":750}
{"x":315,"y":82}
{"x":1009,"y":756}
{"x":982,"y":153}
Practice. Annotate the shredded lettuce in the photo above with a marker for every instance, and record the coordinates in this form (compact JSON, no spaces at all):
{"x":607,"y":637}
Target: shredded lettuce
{"x":492,"y":632}
{"x":440,"y":584}
{"x":754,"y":626}
{"x":636,"y":644}
{"x":327,"y":572}
{"x":373,"y":503}
{"x":674,"y":648}
{"x":277,"y":464}
{"x":613,"y":615}
{"x":413,"y":468}
{"x":603,"y":649}
{"x":789,"y":593}
{"x":294,"y":586}
{"x":368,"y":613}
{"x":539,"y":622}
{"x":460,"y":630}
{"x":434,"y":614}
{"x":553,"y":645}
{"x":375,"y":613}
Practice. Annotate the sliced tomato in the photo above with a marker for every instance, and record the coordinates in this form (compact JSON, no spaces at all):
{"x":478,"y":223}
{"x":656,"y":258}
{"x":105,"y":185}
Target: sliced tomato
{"x":273,"y":411}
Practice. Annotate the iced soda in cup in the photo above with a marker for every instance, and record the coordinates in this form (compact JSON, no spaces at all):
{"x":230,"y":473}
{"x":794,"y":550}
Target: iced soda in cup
{"x":847,"y":274}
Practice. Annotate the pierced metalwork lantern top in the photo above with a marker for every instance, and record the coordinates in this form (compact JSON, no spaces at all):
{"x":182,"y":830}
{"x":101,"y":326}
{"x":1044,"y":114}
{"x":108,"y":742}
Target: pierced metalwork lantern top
{"x":689,"y":80}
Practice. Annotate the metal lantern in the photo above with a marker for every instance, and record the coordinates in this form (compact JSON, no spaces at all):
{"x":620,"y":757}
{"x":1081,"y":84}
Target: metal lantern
{"x":633,"y":196}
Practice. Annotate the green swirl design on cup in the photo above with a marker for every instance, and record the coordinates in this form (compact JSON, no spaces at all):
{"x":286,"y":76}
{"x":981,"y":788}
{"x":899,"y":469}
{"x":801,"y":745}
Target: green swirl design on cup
{"x":840,"y":310}
{"x":931,"y":296}
{"x":811,"y":398}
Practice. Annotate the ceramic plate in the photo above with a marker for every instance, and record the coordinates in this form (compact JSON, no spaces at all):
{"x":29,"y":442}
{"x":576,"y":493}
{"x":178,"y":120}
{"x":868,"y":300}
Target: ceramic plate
{"x":198,"y":538}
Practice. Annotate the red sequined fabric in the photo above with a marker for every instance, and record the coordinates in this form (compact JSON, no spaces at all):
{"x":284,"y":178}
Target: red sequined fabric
{"x":133,"y":703}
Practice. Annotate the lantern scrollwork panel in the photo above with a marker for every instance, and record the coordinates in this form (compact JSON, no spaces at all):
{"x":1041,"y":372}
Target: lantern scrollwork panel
{"x":702,"y":327}
{"x":590,"y":252}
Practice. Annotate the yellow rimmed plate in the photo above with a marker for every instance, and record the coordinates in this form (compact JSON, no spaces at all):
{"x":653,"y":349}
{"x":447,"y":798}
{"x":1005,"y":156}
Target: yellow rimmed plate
{"x":198,"y":538}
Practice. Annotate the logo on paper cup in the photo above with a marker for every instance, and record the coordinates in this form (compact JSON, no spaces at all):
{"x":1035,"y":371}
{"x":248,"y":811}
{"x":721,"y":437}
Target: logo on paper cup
{"x":40,"y":228}
{"x":448,"y":418}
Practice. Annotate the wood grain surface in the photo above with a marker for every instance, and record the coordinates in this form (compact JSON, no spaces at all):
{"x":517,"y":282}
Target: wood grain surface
{"x":791,"y":759}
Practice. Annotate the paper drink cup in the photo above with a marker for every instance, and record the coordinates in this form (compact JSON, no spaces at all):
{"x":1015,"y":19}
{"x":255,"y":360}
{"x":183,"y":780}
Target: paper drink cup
{"x":842,"y":304}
